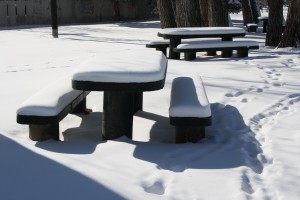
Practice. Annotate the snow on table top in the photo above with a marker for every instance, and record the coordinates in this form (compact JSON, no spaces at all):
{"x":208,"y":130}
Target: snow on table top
{"x":188,"y":98}
{"x":51,"y":100}
{"x":201,"y":31}
{"x":251,"y":24}
{"x":217,"y":44}
{"x":130,"y":66}
{"x":263,"y":17}
{"x":159,"y":42}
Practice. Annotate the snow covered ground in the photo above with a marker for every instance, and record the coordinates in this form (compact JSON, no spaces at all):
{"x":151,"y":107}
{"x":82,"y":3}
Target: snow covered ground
{"x":252,"y":149}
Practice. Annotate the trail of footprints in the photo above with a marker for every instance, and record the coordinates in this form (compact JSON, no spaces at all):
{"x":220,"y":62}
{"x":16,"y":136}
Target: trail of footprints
{"x":28,"y":68}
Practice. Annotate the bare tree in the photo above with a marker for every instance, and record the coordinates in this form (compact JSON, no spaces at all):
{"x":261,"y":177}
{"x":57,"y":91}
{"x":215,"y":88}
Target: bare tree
{"x":247,"y":12}
{"x":218,"y":13}
{"x":117,"y":10}
{"x":187,"y":13}
{"x":166,"y":14}
{"x":291,"y":35}
{"x":274,"y":28}
{"x":255,"y":10}
{"x":204,"y":12}
{"x":264,"y":3}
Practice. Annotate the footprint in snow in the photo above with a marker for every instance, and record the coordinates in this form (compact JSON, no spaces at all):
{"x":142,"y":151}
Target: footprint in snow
{"x":154,"y":188}
{"x":242,"y":92}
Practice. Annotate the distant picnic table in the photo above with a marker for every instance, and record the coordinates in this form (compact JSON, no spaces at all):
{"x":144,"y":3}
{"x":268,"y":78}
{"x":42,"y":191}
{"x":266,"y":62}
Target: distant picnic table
{"x":175,"y":35}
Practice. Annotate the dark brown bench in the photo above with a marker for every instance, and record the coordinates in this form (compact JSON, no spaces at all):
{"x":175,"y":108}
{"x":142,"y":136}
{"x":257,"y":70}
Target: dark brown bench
{"x":189,"y":109}
{"x":252,"y":28}
{"x":44,"y":110}
{"x":242,"y":48}
{"x":160,"y":45}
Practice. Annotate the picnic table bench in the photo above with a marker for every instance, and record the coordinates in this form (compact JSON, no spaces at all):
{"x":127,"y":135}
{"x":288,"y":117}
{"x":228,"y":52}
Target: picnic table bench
{"x":44,"y":110}
{"x":251,"y":27}
{"x":189,"y":109}
{"x":162,"y":45}
{"x":265,"y":20}
{"x":242,"y":48}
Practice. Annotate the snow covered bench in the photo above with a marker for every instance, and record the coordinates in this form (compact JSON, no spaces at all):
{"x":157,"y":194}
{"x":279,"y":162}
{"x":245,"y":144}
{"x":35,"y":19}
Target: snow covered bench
{"x":189,"y":109}
{"x":44,"y":110}
{"x":242,"y":48}
{"x":251,"y":27}
{"x":160,"y":45}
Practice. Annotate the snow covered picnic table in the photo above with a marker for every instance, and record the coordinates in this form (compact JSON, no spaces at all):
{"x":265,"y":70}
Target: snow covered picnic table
{"x":175,"y":35}
{"x":265,"y":20}
{"x":123,"y":77}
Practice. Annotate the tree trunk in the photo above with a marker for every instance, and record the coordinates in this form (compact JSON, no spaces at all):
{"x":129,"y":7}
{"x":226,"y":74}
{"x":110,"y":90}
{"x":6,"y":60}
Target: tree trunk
{"x":255,"y":10}
{"x":264,"y":3}
{"x":247,"y":12}
{"x":187,"y":13}
{"x":218,"y":13}
{"x":274,"y":28}
{"x":166,"y":14}
{"x":204,"y":12}
{"x":291,"y":35}
{"x":117,"y":16}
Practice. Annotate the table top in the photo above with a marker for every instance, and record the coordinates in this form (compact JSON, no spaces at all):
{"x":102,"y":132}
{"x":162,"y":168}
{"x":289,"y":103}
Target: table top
{"x":127,"y":70}
{"x":197,"y":32}
{"x":263,"y":17}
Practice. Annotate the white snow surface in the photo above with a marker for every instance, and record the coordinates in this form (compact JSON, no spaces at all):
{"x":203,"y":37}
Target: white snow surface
{"x":251,"y":150}
{"x":201,"y":30}
{"x":128,"y":66}
{"x":188,"y":98}
{"x":51,"y":100}
{"x":217,"y":44}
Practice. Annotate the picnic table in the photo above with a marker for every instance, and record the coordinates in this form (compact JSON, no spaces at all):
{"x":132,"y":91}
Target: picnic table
{"x":265,"y":20}
{"x":123,"y":77}
{"x":175,"y":35}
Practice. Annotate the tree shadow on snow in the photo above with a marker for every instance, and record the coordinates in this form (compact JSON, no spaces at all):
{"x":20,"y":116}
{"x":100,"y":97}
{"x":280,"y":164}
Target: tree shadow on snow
{"x":28,"y":175}
{"x":229,"y":143}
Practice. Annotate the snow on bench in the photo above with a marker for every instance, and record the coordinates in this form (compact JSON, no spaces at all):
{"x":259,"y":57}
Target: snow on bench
{"x":242,"y":48}
{"x":189,"y":109}
{"x":251,"y":27}
{"x":44,"y":110}
{"x":162,"y":45}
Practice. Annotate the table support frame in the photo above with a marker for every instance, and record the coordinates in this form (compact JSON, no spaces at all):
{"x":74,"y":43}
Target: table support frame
{"x":117,"y":117}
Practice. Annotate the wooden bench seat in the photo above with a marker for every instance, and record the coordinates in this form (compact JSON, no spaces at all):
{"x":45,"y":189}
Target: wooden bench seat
{"x":189,"y":109}
{"x":242,"y":48}
{"x":251,"y":27}
{"x":160,"y":45}
{"x":44,"y":110}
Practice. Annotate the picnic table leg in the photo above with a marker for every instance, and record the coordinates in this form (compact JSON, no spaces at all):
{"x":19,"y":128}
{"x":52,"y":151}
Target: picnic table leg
{"x":138,"y":101}
{"x":44,"y":132}
{"x":173,"y":44}
{"x":265,"y":24}
{"x":241,"y":53}
{"x":189,"y":133}
{"x":211,"y":53}
{"x":226,"y":53}
{"x":117,"y":114}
